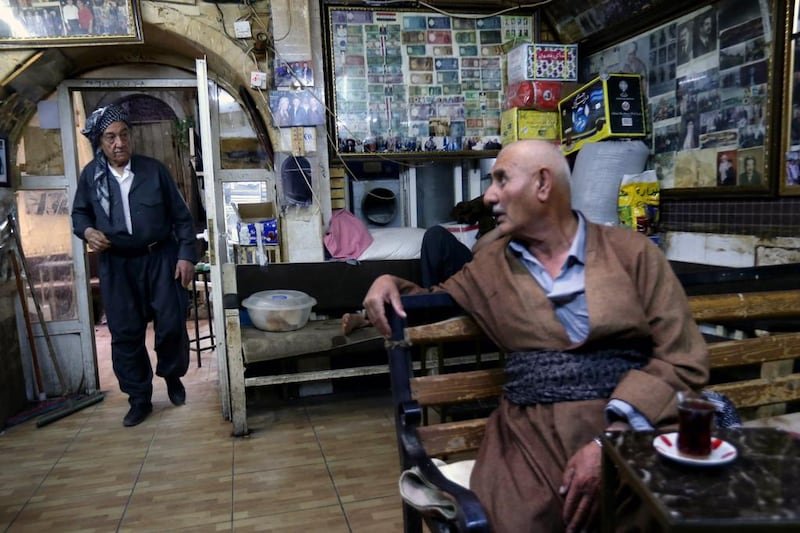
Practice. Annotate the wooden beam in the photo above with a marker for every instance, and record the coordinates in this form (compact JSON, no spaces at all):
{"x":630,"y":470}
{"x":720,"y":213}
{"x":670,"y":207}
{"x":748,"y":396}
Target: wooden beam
{"x":444,"y":389}
{"x":753,"y":351}
{"x":745,"y":305}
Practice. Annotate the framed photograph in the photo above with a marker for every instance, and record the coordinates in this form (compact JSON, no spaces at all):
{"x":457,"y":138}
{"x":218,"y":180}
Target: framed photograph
{"x":5,"y":181}
{"x":296,"y":108}
{"x":790,"y":173}
{"x":712,"y":97}
{"x":47,"y":23}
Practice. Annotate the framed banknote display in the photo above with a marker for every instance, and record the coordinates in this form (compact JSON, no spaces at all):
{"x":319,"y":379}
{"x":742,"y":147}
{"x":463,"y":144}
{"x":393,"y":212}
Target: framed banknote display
{"x":408,"y":81}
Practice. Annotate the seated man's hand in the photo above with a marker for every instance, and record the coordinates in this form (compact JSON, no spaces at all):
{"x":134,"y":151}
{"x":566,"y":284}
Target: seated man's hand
{"x":382,"y":291}
{"x":581,"y":487}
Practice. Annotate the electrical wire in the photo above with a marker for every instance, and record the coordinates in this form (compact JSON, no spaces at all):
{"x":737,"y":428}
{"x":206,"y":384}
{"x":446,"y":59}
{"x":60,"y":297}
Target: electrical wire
{"x":289,"y":29}
{"x":225,"y":29}
{"x":469,"y":16}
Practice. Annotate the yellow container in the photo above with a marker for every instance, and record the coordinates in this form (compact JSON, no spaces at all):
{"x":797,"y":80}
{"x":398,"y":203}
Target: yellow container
{"x":517,"y":124}
{"x":606,"y":107}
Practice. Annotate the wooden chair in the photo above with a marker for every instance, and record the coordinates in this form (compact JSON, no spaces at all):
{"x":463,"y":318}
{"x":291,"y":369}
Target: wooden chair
{"x":776,"y":358}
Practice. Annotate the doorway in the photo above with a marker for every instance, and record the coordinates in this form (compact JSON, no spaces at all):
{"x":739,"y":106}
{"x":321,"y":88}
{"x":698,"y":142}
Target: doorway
{"x":65,"y":282}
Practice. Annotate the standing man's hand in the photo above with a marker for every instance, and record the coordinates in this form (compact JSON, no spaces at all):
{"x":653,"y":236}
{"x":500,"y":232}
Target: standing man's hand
{"x":184,"y":271}
{"x":96,"y":239}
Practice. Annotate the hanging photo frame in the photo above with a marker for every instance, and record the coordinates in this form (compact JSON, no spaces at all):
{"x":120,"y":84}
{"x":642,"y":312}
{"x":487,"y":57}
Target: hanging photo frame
{"x":49,"y":23}
{"x":790,"y":171}
{"x":710,"y":90}
{"x":5,"y":180}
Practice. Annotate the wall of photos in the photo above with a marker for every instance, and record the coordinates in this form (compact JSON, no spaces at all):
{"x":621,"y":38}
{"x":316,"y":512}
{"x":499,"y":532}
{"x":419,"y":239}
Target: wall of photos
{"x":707,"y":82}
{"x":408,"y":81}
{"x":790,"y":184}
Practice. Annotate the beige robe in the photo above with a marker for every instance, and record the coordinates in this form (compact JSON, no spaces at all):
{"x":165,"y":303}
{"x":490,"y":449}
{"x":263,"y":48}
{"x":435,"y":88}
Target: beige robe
{"x":632,"y":295}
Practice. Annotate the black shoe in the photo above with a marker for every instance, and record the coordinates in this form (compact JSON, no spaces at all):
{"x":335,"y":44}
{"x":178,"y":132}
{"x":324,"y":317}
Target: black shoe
{"x":175,"y":391}
{"x":137,"y":413}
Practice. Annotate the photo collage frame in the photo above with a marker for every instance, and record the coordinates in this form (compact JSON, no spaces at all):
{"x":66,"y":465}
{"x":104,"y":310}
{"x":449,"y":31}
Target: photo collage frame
{"x":47,"y":23}
{"x":708,"y":87}
{"x":790,"y":179}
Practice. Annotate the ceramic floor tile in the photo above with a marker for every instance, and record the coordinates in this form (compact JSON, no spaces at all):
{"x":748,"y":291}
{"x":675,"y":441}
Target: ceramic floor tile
{"x":282,"y":490}
{"x":352,"y":440}
{"x":365,"y":478}
{"x":378,"y":515}
{"x":196,"y":463}
{"x":165,"y":502}
{"x":355,"y":409}
{"x":321,"y":520}
{"x":276,"y":449}
{"x":16,"y":490}
{"x":90,"y":478}
{"x":74,"y":513}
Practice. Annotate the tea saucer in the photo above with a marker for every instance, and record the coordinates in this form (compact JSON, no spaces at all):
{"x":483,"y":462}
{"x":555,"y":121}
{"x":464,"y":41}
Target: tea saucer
{"x":721,"y":451}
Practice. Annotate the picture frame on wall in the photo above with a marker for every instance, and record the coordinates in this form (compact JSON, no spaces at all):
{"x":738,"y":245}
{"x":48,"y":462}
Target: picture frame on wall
{"x":420,"y":83}
{"x":5,"y":181}
{"x":790,"y":173}
{"x":711,"y":96}
{"x":51,"y":23}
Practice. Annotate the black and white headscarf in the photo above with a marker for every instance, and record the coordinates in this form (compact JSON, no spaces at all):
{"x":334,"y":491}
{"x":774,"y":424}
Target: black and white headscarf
{"x":95,"y":125}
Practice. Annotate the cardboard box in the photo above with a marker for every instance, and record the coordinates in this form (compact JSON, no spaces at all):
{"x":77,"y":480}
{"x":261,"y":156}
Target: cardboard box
{"x":255,"y":218}
{"x":606,"y":107}
{"x":541,"y":95}
{"x":517,"y":124}
{"x":530,"y":61}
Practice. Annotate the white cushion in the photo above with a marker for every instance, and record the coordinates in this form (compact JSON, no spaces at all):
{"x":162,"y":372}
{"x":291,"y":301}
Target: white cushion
{"x":458,"y":472}
{"x":393,"y":243}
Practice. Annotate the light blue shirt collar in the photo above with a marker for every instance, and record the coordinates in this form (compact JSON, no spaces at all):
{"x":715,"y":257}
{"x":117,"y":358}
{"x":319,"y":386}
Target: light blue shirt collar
{"x":577,"y":250}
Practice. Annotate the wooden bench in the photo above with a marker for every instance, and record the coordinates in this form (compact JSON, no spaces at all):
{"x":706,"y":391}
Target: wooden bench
{"x":259,"y":358}
{"x":760,"y":374}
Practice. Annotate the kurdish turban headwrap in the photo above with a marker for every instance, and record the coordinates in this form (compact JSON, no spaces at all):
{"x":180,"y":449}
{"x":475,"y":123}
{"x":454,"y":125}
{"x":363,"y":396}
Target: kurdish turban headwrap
{"x":95,"y":125}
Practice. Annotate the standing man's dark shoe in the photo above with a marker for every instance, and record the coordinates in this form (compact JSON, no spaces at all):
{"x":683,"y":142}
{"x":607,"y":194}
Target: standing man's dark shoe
{"x":176,"y":391}
{"x":137,"y":413}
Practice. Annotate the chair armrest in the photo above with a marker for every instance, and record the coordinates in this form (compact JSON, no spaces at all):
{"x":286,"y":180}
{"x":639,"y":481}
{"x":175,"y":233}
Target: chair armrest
{"x":470,"y":515}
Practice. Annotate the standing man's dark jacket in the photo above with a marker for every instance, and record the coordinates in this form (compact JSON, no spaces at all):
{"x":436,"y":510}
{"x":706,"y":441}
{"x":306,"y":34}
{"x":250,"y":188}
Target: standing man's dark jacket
{"x":157,"y":209}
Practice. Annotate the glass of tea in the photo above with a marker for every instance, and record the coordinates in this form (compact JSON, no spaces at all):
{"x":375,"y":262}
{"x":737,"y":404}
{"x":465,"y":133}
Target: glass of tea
{"x":695,"y":419}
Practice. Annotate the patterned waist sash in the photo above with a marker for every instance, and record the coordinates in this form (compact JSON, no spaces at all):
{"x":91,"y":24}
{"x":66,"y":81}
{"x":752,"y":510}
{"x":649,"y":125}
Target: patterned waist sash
{"x":551,"y":376}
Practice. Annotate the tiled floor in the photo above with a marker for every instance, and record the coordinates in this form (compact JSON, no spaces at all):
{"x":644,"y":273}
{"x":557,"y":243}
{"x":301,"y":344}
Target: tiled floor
{"x":325,"y":465}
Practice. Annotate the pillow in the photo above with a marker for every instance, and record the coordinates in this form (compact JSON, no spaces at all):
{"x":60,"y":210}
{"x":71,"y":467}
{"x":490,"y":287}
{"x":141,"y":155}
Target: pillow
{"x":393,"y":243}
{"x":347,"y":236}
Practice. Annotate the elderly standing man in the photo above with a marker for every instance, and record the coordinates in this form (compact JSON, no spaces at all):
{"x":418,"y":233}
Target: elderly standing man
{"x":128,"y":208}
{"x":598,"y":332}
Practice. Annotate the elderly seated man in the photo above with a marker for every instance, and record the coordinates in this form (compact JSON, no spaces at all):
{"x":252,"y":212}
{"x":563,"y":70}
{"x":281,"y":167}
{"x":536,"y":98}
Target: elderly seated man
{"x":598,"y":332}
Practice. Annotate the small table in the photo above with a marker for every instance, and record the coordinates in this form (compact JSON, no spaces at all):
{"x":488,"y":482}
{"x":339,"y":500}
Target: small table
{"x":201,"y":273}
{"x":760,"y":489}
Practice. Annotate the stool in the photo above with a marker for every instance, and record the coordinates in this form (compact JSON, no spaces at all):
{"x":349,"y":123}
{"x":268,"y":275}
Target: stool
{"x":201,"y":269}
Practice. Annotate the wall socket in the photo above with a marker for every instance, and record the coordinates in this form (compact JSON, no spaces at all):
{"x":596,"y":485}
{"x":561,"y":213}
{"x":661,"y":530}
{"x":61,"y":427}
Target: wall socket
{"x":241,"y":29}
{"x":258,"y":80}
